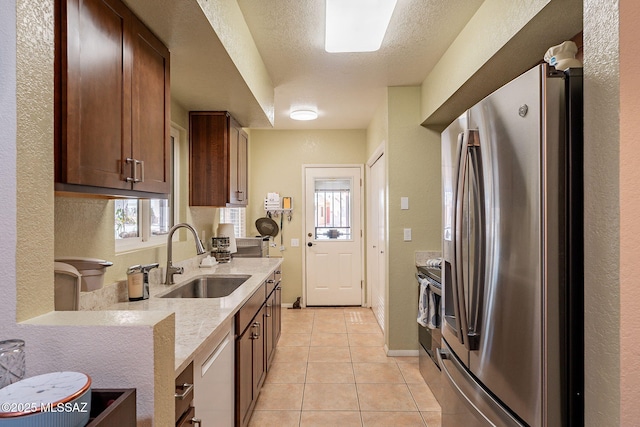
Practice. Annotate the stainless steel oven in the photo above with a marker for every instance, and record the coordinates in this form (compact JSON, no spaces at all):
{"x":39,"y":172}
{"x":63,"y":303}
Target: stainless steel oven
{"x":430,"y":338}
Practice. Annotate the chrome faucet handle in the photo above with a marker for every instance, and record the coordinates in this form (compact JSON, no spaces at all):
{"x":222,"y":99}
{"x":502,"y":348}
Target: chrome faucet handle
{"x":171,"y":270}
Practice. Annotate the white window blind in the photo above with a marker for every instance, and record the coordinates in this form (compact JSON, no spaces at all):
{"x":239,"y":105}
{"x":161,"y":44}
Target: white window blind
{"x":237,"y":217}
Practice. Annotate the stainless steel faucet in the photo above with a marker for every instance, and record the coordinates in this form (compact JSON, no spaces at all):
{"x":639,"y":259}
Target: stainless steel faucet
{"x":171,"y":270}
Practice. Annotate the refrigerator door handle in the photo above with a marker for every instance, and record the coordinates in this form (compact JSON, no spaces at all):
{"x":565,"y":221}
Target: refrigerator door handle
{"x":457,"y":287}
{"x":478,"y":258}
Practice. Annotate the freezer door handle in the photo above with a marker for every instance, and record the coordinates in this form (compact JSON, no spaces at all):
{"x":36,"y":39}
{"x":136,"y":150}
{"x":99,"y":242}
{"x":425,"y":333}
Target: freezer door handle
{"x":471,"y":393}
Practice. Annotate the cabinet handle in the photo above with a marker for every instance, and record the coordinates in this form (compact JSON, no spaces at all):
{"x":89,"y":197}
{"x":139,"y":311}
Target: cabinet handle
{"x":255,"y":336}
{"x":279,"y":288}
{"x":271,"y":281}
{"x":141,"y":163}
{"x":239,"y":193}
{"x":187,"y":388}
{"x":197,"y":421}
{"x":278,"y":272}
{"x":267,"y":314}
{"x":129,"y":160}
{"x":135,"y":162}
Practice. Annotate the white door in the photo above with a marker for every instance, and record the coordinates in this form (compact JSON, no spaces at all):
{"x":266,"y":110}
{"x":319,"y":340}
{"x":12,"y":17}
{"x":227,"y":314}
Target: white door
{"x":376,"y":238}
{"x":333,"y":236}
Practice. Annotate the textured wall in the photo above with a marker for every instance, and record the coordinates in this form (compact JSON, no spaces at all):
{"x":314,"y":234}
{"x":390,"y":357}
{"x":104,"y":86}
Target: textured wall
{"x":602,"y":215}
{"x":629,"y":207}
{"x":164,"y":371}
{"x":276,"y":159}
{"x":84,"y":342}
{"x":228,"y":22}
{"x":413,"y":170}
{"x":34,"y":97}
{"x":121,"y":353}
{"x":8,"y":144}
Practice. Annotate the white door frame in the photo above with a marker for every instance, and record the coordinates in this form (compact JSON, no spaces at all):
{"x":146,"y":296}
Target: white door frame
{"x":375,"y":157}
{"x":304,"y":226}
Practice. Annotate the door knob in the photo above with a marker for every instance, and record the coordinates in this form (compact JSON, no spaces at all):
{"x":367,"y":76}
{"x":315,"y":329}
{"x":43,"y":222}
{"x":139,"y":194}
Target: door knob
{"x":310,"y":244}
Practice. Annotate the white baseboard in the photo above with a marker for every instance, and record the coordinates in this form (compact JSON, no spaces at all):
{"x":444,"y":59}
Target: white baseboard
{"x":290,"y":305}
{"x":401,"y":353}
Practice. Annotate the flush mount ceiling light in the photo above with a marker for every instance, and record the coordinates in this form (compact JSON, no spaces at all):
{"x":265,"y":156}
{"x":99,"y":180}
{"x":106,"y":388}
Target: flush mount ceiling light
{"x":303,"y":115}
{"x":356,"y":25}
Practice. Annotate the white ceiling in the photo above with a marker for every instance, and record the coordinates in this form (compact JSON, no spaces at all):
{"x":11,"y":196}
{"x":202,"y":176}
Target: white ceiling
{"x":345,"y":88}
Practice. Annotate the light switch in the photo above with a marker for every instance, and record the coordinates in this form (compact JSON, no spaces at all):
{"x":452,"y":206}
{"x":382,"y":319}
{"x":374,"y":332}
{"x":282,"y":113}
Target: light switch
{"x":404,"y":203}
{"x":295,"y":243}
{"x":407,"y":234}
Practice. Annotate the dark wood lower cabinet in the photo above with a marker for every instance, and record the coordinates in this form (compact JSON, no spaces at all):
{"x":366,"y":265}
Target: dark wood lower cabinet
{"x":255,"y":347}
{"x":244,"y":377}
{"x":269,"y":322}
{"x":259,"y":344}
{"x":277,"y":314}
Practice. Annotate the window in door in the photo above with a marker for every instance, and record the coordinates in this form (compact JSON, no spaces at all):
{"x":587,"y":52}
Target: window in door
{"x":333,"y":209}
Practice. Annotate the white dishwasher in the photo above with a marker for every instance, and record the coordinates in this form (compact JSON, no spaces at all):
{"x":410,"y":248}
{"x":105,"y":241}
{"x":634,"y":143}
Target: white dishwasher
{"x":214,"y":380}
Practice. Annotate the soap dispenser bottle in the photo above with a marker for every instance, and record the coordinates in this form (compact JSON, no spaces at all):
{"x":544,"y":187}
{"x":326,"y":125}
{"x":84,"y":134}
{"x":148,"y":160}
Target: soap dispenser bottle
{"x":135,"y":282}
{"x":145,"y":279}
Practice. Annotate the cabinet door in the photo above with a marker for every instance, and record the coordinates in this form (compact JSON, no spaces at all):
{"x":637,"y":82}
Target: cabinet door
{"x":96,"y":107}
{"x":259,"y":360}
{"x":208,"y":158}
{"x":150,"y":108}
{"x":244,"y":377}
{"x":269,"y":321}
{"x":277,"y":314}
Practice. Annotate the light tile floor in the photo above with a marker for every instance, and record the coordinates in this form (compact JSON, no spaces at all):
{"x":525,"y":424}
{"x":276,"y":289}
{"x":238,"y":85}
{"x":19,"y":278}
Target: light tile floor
{"x":330,"y":369}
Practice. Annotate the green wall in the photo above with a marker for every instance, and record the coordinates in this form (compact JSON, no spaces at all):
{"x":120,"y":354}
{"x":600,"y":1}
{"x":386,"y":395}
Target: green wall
{"x":413,"y":171}
{"x":275,"y":165}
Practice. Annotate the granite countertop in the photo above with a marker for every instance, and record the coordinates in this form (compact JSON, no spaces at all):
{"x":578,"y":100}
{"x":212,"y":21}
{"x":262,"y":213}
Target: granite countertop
{"x":421,"y":257}
{"x":198,"y":318}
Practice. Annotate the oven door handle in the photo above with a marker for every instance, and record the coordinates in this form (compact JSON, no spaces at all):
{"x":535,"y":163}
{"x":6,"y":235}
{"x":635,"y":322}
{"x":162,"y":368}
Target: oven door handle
{"x":432,"y":285}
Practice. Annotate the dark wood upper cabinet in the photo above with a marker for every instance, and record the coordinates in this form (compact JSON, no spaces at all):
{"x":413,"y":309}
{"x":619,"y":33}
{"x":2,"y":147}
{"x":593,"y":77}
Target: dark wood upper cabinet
{"x":218,"y":160}
{"x":112,"y":93}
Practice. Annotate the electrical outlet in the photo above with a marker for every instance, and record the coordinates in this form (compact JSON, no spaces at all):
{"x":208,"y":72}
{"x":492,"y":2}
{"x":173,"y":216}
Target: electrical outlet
{"x":407,"y":234}
{"x":295,"y":243}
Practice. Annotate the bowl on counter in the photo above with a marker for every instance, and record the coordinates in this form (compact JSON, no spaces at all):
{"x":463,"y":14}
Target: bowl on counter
{"x":56,"y":399}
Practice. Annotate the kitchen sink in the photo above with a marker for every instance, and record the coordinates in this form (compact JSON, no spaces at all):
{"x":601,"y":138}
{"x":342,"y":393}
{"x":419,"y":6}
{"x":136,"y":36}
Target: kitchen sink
{"x":215,"y":286}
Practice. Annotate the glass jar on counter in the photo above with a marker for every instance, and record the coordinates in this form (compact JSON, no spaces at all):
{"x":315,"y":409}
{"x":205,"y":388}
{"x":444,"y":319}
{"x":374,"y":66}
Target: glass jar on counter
{"x":12,"y":361}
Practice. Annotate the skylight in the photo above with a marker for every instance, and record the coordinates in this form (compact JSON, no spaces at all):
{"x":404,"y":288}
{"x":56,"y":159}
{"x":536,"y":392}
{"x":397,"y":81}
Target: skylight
{"x":356,"y":25}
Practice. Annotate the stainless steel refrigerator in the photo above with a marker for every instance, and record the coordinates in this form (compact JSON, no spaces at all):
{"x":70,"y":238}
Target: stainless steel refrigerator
{"x":512,"y":351}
